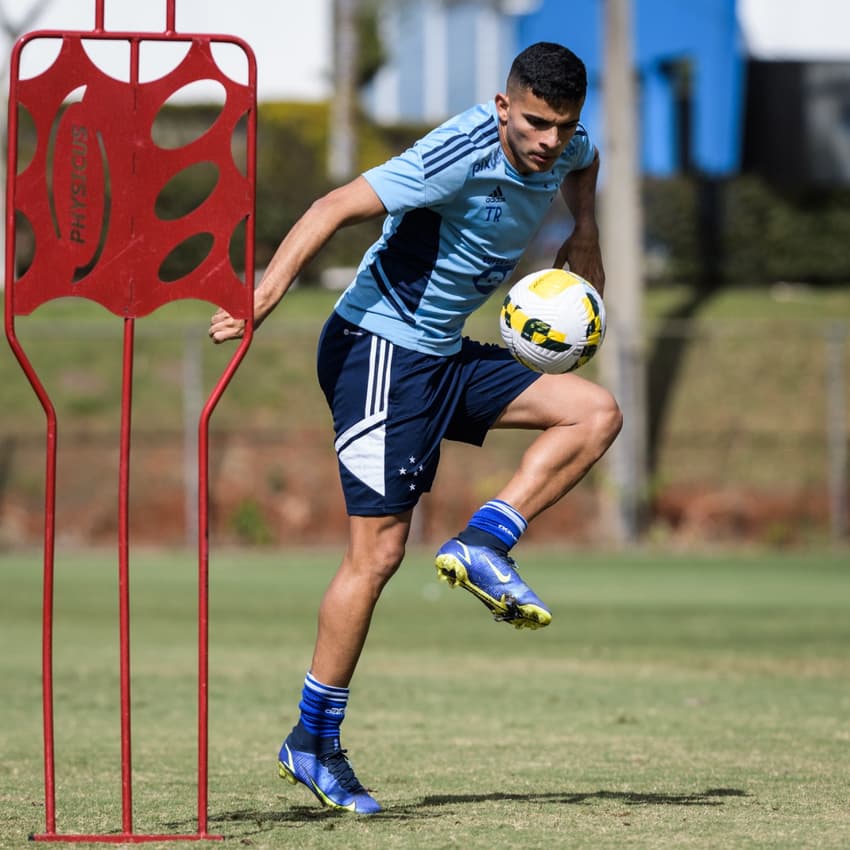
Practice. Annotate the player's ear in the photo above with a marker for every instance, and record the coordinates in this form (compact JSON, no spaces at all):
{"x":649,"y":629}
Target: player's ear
{"x":503,"y":105}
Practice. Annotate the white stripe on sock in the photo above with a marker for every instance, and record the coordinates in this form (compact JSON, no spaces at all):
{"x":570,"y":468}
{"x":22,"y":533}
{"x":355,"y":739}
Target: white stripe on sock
{"x":329,"y":691}
{"x":506,"y":510}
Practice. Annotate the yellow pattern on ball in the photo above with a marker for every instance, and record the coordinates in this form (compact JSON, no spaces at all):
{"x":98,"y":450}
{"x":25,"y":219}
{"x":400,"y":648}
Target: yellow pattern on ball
{"x":553,"y":283}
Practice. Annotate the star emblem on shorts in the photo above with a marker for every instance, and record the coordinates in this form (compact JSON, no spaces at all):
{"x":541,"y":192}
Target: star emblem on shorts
{"x":404,"y":470}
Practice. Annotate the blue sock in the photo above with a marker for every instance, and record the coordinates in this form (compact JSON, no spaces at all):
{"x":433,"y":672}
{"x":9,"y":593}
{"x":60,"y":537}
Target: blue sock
{"x":496,"y":525}
{"x":322,"y":707}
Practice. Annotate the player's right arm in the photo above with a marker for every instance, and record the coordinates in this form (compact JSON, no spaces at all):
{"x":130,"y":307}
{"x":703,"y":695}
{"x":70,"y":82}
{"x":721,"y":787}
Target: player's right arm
{"x":349,"y":204}
{"x":580,"y":252}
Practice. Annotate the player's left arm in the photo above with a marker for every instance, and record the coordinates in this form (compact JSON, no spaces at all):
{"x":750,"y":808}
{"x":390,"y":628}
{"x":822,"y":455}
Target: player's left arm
{"x":581,"y":251}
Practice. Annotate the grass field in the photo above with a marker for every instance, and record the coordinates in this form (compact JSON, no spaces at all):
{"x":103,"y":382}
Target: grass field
{"x":681,"y":701}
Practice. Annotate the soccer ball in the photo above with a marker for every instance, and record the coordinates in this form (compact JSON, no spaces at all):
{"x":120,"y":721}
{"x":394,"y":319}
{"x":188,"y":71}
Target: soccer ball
{"x":552,"y":321}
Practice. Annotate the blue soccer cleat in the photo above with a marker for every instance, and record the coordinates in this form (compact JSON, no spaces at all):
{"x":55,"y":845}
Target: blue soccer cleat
{"x":321,"y":765}
{"x":494,"y":579}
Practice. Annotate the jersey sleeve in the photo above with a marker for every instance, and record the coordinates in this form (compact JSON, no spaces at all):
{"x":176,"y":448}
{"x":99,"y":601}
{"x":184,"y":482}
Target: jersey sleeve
{"x":580,"y":151}
{"x":411,"y":180}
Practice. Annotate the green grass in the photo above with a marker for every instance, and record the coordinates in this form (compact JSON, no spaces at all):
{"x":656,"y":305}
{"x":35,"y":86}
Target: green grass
{"x":676,"y":701}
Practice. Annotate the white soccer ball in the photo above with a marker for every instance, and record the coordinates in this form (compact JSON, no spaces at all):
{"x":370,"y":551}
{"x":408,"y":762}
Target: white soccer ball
{"x":552,"y":321}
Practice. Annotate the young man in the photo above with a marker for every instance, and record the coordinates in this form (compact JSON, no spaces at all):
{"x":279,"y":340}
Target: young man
{"x":460,"y":207}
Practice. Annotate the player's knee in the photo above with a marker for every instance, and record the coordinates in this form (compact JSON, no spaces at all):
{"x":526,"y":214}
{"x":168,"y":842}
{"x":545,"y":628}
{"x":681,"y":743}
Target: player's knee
{"x":378,"y":565}
{"x":606,"y":420}
{"x":388,"y":556}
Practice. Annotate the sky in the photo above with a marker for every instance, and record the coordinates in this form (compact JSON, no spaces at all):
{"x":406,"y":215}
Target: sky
{"x":292,"y":38}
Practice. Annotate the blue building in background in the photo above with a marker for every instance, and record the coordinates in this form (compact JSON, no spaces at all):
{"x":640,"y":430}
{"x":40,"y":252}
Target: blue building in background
{"x":690,"y":62}
{"x":689,"y":57}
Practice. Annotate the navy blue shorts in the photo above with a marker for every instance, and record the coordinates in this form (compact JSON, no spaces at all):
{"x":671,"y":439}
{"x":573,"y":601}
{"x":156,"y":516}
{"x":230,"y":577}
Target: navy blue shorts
{"x":392,"y":407}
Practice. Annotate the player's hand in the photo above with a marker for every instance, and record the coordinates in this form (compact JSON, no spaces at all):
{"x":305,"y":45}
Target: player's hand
{"x":224,"y":327}
{"x":582,"y":255}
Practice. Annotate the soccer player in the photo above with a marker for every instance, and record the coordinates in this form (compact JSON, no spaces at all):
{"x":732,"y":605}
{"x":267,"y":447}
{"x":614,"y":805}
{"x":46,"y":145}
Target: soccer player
{"x":460,"y":207}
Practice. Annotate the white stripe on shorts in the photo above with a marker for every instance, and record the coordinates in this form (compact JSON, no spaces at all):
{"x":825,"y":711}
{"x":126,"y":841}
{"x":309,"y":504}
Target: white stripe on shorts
{"x":360,"y":448}
{"x":378,"y":388}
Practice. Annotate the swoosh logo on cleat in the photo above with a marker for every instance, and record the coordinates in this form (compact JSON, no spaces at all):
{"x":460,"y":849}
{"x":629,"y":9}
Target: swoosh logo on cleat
{"x":464,"y":555}
{"x":504,"y":579}
{"x":328,"y":802}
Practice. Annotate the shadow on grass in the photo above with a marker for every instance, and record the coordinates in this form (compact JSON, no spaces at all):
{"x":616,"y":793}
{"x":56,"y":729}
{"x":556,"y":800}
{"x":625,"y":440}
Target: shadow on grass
{"x":709,"y":797}
{"x":265,"y":820}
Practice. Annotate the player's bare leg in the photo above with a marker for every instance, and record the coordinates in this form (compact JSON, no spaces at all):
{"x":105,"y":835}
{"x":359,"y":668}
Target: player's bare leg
{"x":312,"y":753}
{"x":579,"y":421}
{"x":375,"y":550}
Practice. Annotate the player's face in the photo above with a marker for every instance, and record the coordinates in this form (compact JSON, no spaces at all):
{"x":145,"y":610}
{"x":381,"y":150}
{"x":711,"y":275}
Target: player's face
{"x":534,"y":134}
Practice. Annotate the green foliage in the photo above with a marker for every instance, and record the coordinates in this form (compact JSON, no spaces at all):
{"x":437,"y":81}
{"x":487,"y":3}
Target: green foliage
{"x":249,"y":524}
{"x":291,"y":169}
{"x":761,"y":234}
{"x":771,"y":235}
{"x":669,"y":214}
{"x":292,"y":173}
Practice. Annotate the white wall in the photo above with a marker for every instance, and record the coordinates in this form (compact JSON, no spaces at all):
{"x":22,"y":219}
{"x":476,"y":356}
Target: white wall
{"x":796,"y":30}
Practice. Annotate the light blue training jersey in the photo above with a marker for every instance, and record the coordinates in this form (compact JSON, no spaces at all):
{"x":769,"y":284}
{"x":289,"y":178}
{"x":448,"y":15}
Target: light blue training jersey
{"x":460,"y":216}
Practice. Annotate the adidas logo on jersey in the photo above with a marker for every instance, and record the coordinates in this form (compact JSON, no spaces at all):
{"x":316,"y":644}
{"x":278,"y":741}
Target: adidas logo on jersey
{"x":496,"y":196}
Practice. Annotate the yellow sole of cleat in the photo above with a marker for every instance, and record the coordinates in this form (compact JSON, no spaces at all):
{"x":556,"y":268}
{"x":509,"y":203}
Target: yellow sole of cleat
{"x":284,"y":773}
{"x":452,"y":571}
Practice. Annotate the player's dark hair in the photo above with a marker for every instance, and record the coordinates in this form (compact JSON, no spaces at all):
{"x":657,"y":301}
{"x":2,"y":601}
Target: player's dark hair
{"x":551,"y":72}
